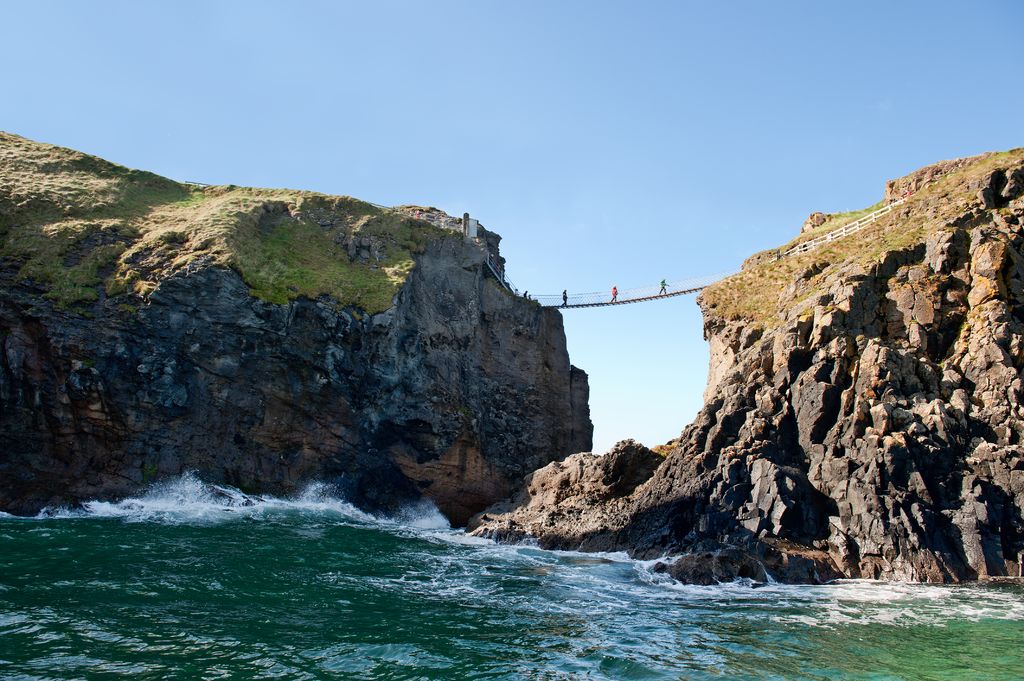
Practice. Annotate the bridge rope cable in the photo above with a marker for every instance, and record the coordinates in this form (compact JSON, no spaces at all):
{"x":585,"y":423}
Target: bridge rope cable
{"x":694,"y":285}
{"x":632,"y":295}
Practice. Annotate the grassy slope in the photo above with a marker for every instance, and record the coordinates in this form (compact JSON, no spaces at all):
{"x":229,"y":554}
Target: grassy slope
{"x":78,"y":225}
{"x":757,"y":294}
{"x":834,"y":221}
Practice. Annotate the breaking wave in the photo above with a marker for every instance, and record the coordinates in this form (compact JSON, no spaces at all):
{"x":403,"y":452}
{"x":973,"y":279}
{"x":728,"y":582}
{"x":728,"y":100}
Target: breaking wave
{"x":187,"y":499}
{"x":468,"y":562}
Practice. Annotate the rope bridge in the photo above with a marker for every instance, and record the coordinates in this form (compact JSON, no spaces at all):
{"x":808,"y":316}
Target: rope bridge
{"x":679,"y":288}
{"x":627,"y":296}
{"x":603,"y":298}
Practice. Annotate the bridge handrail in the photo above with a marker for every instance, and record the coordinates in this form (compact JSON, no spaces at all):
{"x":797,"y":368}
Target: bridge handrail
{"x":633,"y":295}
{"x":602,"y":298}
{"x":499,"y":274}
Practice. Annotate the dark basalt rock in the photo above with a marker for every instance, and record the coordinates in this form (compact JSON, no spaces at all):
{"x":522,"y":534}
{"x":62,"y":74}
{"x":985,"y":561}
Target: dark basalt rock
{"x":875,"y":431}
{"x":725,"y":564}
{"x":455,"y":393}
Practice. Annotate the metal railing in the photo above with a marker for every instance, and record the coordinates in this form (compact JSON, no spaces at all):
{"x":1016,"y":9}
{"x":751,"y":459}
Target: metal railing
{"x":499,"y":273}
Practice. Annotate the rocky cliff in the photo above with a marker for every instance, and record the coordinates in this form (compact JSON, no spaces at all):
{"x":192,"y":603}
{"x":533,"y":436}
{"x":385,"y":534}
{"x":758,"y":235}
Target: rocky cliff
{"x":863,"y":413}
{"x":261,"y":338}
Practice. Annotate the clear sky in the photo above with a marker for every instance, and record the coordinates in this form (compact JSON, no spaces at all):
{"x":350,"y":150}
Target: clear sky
{"x":609,"y":143}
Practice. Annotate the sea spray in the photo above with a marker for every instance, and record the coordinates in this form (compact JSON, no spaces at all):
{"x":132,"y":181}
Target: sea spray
{"x":187,"y":499}
{"x":226,"y":584}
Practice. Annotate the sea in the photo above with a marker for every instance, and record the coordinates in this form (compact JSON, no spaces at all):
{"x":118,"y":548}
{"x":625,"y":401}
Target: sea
{"x":197,"y":581}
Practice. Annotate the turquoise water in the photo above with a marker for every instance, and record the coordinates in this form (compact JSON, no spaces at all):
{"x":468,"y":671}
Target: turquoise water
{"x":188,"y":582}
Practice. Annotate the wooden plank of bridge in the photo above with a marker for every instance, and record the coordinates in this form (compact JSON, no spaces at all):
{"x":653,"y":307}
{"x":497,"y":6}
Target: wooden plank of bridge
{"x":632,"y":300}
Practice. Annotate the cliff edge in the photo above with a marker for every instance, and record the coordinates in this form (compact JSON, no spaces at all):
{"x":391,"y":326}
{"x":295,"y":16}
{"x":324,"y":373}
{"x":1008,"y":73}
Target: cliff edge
{"x":863,"y":412}
{"x":261,"y":338}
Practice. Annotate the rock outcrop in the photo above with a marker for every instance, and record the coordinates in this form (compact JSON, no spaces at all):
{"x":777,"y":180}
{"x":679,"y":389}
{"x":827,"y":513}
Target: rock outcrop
{"x":453,"y":392}
{"x":908,"y":184}
{"x":865,"y":422}
{"x":813,"y":221}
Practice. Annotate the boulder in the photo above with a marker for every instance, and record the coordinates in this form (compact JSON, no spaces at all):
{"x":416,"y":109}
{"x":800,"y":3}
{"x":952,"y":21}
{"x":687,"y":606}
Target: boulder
{"x":725,"y":564}
{"x":813,"y":221}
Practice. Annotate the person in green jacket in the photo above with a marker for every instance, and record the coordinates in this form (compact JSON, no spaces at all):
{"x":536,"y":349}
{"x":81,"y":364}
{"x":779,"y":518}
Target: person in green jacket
{"x":664,"y":288}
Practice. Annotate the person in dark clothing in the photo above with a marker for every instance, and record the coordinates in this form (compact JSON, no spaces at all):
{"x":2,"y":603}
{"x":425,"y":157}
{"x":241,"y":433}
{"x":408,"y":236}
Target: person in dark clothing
{"x":526,"y":295}
{"x":565,"y":297}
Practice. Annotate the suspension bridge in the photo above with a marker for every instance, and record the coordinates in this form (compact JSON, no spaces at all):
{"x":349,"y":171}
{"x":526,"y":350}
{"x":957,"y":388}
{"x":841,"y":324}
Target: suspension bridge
{"x":603,"y":298}
{"x":627,"y":296}
{"x":686,"y":286}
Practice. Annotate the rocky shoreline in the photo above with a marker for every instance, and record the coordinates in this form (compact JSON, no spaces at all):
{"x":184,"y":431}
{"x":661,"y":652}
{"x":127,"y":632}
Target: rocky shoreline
{"x":454,"y":392}
{"x":862,"y":417}
{"x":868,"y":425}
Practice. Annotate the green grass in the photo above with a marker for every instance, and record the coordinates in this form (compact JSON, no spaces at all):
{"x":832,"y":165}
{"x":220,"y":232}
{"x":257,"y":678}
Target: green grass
{"x":834,"y":221}
{"x":80,"y":225}
{"x":758,"y":294}
{"x":301,"y":259}
{"x":59,"y":258}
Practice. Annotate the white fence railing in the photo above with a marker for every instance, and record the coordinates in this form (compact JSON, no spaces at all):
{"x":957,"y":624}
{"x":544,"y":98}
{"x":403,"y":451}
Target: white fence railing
{"x":695,"y":285}
{"x":839,"y":233}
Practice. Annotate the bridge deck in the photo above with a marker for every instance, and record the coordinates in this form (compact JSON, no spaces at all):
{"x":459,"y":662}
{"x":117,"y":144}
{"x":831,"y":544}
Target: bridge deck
{"x":627,"y":301}
{"x":640,"y":295}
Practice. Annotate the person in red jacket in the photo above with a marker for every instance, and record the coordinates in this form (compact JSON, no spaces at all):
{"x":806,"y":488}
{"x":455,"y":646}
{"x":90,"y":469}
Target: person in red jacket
{"x":615,"y":293}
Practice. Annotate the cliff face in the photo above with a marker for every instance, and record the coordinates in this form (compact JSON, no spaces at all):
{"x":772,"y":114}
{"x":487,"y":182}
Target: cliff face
{"x":862,"y":417}
{"x":190,"y":353}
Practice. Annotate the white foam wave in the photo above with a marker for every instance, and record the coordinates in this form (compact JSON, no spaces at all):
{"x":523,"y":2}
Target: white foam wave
{"x":423,"y":515}
{"x":847,"y":602}
{"x":187,"y":499}
{"x":615,"y":576}
{"x":616,"y":579}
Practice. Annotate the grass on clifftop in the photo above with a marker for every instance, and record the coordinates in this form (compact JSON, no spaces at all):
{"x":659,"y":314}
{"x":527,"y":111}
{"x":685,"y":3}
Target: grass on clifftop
{"x":80,"y":226}
{"x":834,"y":221}
{"x":300,"y":258}
{"x":758,"y":294}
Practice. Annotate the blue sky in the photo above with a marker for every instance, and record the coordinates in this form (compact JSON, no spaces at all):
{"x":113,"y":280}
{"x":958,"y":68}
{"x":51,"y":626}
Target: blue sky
{"x":609,"y":143}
